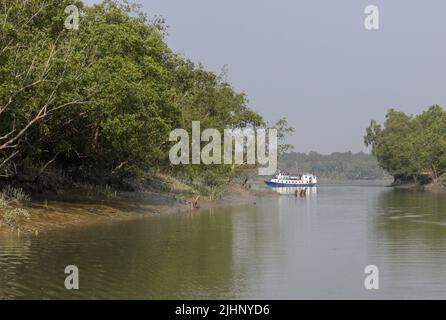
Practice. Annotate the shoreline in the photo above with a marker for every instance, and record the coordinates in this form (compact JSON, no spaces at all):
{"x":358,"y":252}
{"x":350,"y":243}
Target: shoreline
{"x":63,"y":214}
{"x":439,"y":186}
{"x":74,"y":209}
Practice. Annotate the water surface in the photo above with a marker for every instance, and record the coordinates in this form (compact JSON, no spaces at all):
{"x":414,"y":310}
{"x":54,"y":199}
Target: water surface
{"x":315,"y":246}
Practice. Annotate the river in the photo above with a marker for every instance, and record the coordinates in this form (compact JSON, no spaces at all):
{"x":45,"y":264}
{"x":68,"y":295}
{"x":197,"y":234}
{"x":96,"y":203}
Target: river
{"x":286,"y":247}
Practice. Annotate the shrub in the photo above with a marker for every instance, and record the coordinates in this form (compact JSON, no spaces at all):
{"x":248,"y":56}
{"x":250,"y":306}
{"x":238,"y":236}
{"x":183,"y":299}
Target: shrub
{"x":15,"y":194}
{"x":11,"y":216}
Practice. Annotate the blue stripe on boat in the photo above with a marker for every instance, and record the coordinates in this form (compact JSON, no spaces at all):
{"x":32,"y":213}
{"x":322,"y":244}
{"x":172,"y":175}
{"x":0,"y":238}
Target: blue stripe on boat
{"x":289,"y":185}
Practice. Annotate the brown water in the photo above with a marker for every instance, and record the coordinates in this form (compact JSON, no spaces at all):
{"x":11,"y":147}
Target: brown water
{"x":285,"y":247}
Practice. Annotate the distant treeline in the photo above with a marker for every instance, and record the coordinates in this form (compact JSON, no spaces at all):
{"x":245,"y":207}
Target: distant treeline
{"x":336,"y":166}
{"x":411,"y":148}
{"x":101,"y":100}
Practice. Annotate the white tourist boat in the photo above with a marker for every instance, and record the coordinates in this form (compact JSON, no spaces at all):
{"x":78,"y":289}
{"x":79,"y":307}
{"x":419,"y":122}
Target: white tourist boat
{"x":285,"y":180}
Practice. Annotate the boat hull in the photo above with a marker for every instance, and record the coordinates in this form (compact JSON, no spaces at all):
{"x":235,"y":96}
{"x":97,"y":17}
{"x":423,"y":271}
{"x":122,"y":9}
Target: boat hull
{"x":287,"y":185}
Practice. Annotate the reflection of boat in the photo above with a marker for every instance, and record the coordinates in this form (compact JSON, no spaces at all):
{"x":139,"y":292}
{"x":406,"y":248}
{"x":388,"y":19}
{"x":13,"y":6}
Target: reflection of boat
{"x":297,"y":191}
{"x":287,"y":181}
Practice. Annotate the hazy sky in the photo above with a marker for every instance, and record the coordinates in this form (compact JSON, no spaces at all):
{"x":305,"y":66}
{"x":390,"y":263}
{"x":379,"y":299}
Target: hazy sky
{"x":314,"y":62}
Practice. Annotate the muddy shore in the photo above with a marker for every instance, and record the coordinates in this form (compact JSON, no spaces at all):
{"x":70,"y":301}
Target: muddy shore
{"x":74,"y":210}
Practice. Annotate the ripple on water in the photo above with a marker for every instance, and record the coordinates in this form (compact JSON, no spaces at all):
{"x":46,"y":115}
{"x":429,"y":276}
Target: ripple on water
{"x":279,"y":248}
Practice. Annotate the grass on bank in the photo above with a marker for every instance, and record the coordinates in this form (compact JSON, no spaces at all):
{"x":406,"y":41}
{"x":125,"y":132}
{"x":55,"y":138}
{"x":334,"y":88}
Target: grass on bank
{"x":10,"y":213}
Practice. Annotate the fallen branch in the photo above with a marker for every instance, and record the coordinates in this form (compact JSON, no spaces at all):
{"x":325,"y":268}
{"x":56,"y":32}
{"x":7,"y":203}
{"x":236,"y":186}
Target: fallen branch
{"x":8,"y":159}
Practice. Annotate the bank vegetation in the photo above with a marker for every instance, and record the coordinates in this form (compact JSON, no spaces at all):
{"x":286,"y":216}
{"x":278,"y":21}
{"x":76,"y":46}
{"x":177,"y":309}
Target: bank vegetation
{"x":411,"y":148}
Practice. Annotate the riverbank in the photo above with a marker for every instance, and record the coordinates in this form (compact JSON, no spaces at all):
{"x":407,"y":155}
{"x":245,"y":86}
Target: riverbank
{"x":78,"y":208}
{"x":437,"y":186}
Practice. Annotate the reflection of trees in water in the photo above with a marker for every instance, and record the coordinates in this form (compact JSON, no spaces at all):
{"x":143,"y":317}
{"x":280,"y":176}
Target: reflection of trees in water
{"x":14,"y":251}
{"x":153,"y":258}
{"x":257,"y":230}
{"x":411,"y":220}
{"x":407,"y":242}
{"x":194,"y":256}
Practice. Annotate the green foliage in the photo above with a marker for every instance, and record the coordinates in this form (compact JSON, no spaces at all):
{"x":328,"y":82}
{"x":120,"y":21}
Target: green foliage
{"x":103,"y":98}
{"x":336,"y":166}
{"x":408,"y":146}
{"x":283,"y":130}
